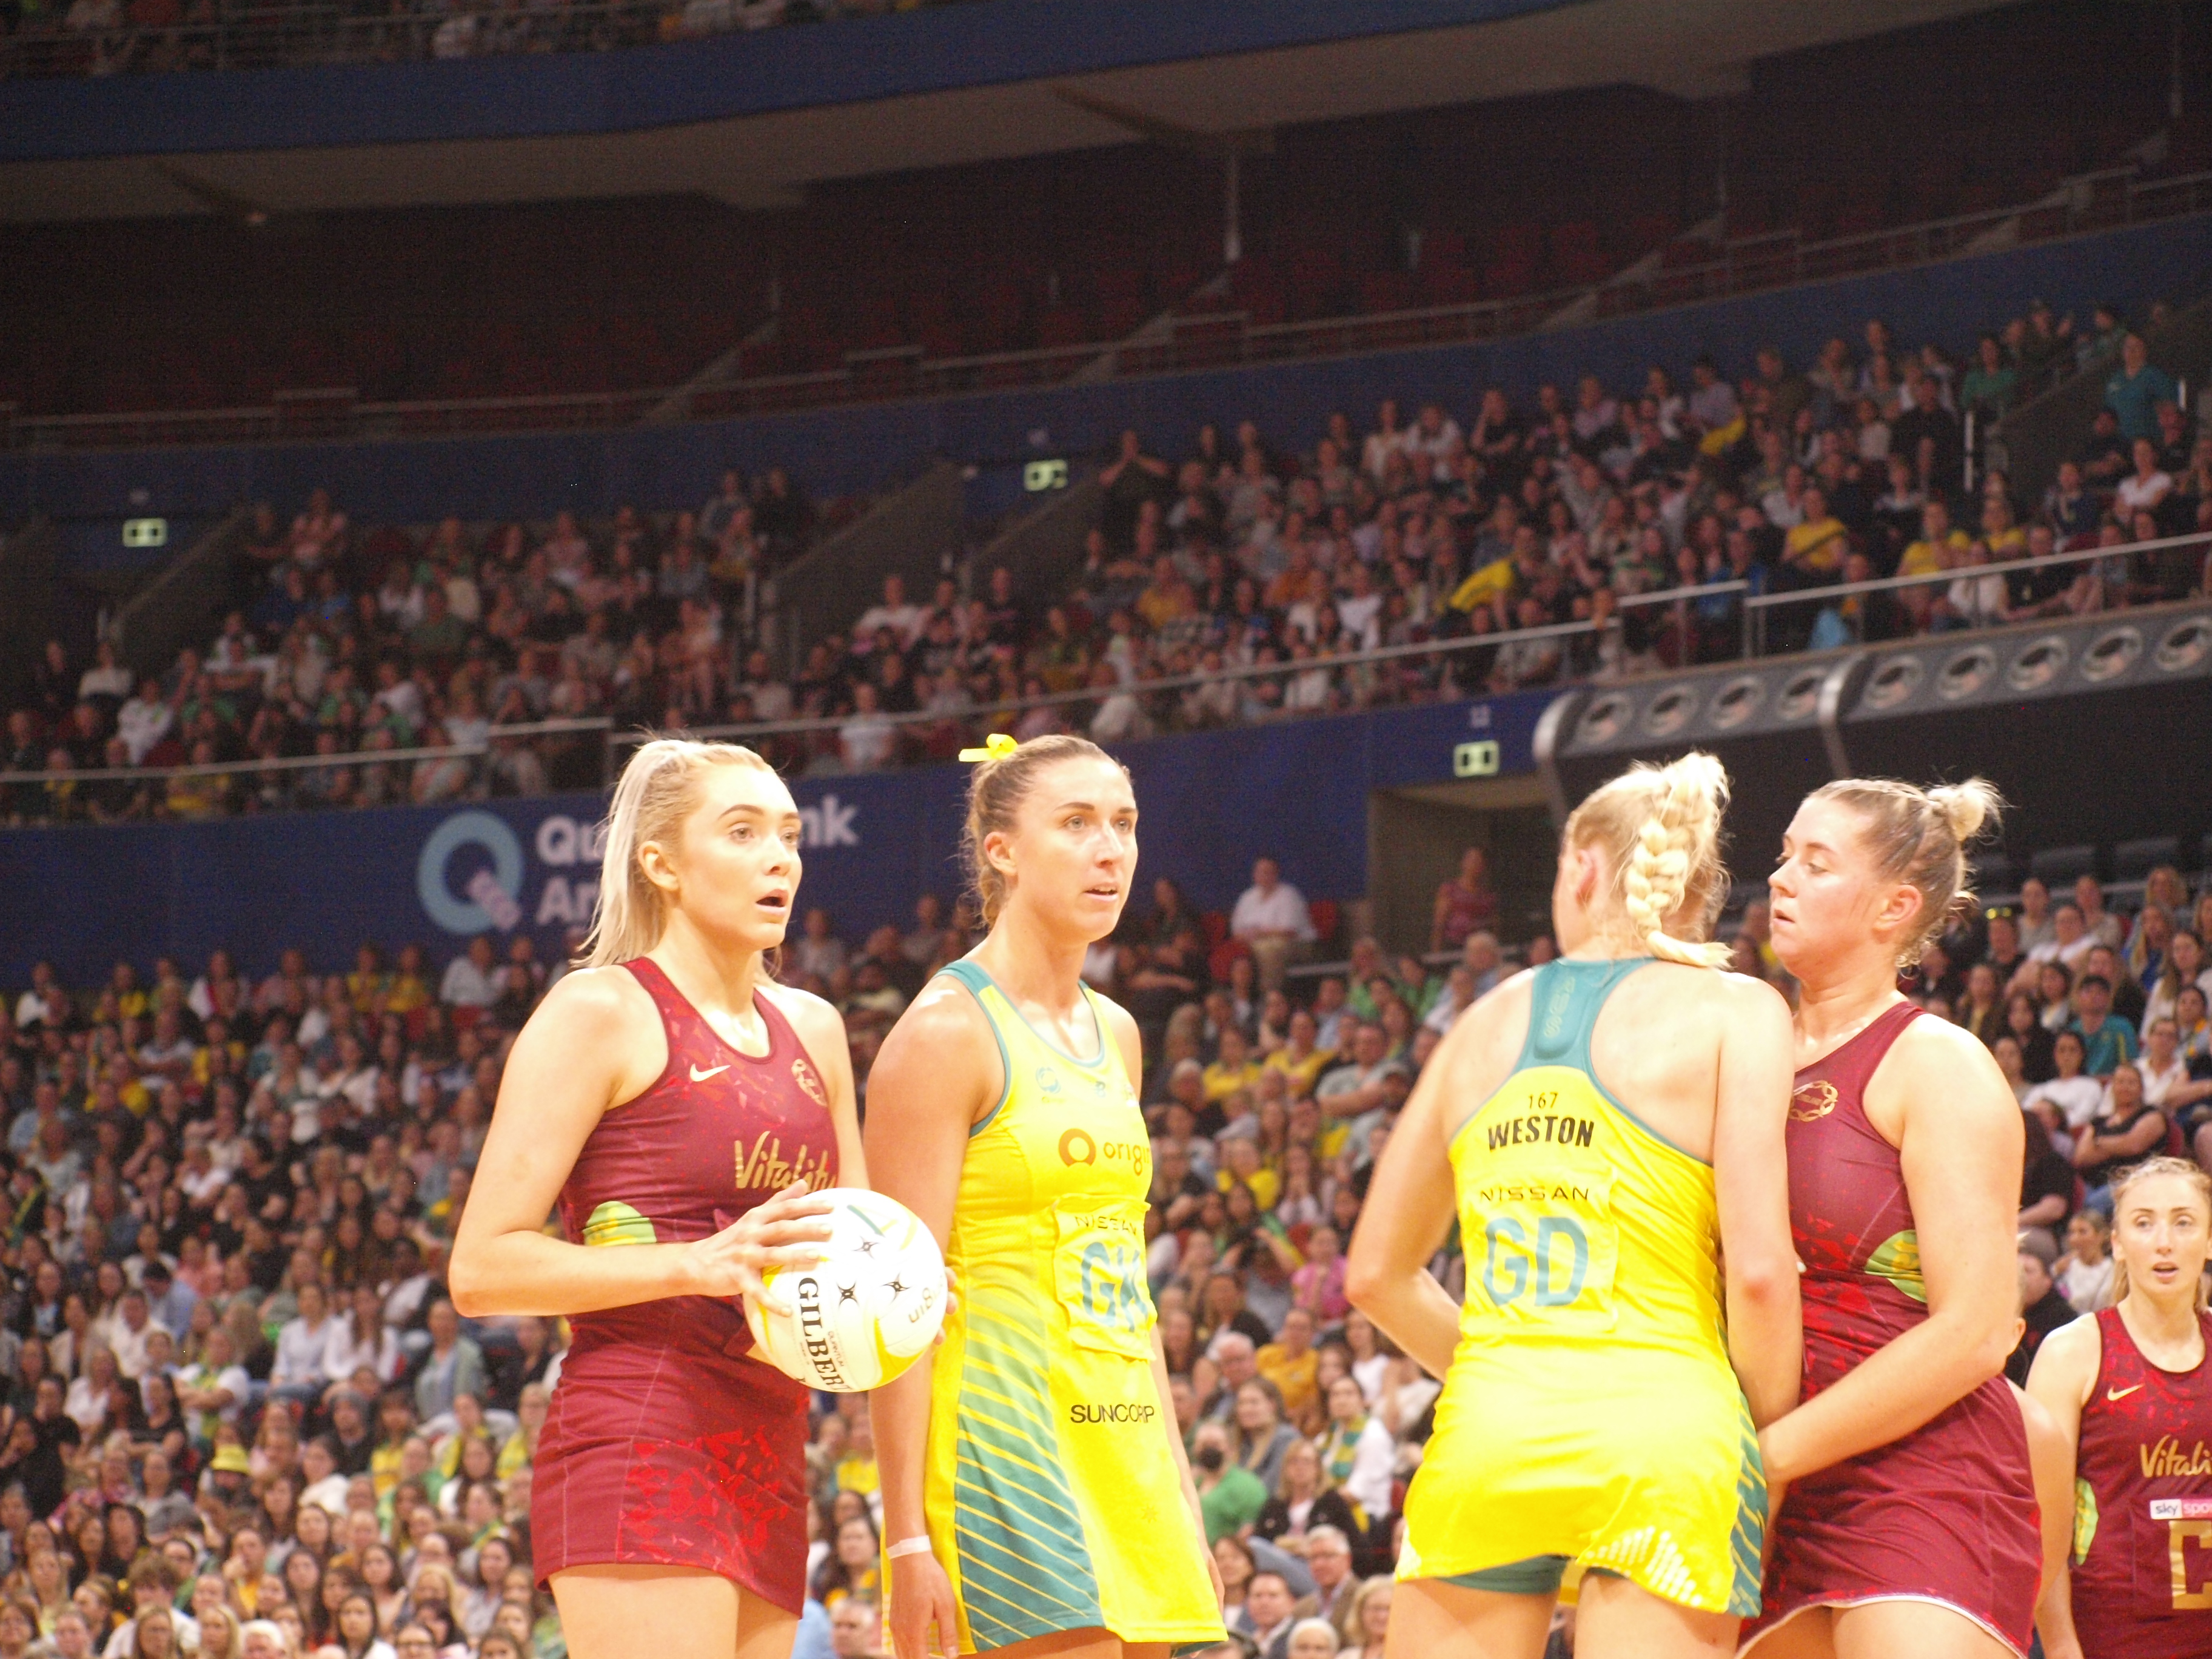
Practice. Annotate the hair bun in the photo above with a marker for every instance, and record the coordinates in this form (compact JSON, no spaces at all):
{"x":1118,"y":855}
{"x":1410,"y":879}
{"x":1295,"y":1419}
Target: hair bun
{"x":1966,"y":807}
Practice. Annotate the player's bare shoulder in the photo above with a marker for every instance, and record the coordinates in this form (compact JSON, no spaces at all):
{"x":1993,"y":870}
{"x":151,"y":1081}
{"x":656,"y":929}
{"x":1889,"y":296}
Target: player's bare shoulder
{"x":2068,"y":1359}
{"x":595,"y":1005}
{"x":942,"y":1046}
{"x":1735,"y":996}
{"x":597,"y":1027}
{"x":1486,"y":1035}
{"x":1948,"y":1063}
{"x":815,"y":1020}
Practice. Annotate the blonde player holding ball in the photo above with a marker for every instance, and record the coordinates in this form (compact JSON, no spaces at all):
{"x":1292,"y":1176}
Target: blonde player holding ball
{"x":1601,"y":1126}
{"x":685,"y":1112}
{"x":1036,"y":1497}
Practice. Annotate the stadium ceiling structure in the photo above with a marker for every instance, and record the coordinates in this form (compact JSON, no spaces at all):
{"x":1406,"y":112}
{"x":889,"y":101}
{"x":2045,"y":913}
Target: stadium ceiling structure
{"x":1692,"y":49}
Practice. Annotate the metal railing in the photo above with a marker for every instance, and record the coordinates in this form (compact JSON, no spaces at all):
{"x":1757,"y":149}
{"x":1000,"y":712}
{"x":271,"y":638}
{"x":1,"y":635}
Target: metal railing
{"x":2130,"y":555}
{"x":20,"y":791}
{"x":1723,"y":608}
{"x":1196,"y":340}
{"x":310,"y":32}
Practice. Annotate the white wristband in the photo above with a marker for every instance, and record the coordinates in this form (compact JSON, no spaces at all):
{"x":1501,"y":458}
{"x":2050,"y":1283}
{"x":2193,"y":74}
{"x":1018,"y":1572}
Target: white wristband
{"x":918,"y":1545}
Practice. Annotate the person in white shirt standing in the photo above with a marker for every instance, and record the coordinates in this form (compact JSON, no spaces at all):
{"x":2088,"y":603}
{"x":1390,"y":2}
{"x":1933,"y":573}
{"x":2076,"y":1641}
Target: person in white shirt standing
{"x":1272,"y":920}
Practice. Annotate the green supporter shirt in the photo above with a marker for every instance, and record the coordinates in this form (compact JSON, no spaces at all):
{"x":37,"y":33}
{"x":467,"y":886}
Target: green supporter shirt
{"x":2113,"y":1045}
{"x":1233,"y":1504}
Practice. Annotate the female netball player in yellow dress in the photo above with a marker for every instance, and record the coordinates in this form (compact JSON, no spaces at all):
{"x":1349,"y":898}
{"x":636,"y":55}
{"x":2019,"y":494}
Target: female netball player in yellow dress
{"x":1036,"y":1497}
{"x":1605,"y":1124}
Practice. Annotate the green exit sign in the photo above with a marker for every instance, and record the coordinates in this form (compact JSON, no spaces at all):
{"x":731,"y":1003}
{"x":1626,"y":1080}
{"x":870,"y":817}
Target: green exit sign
{"x":145,"y":532}
{"x":1475,"y":760}
{"x":1045,"y":474}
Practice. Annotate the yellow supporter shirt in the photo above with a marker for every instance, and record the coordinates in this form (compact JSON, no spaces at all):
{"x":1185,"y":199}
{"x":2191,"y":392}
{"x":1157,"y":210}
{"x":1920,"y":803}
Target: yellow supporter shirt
{"x":1819,"y":545}
{"x":1295,"y":1377}
{"x":1266,"y":1185}
{"x":1925,"y":558}
{"x":1222,"y":1081}
{"x":1300,"y":1074}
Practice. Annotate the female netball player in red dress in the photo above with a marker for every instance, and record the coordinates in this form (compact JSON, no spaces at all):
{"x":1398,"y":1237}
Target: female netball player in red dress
{"x":1910,"y":1527}
{"x":687,"y":1111}
{"x":2130,"y":1389}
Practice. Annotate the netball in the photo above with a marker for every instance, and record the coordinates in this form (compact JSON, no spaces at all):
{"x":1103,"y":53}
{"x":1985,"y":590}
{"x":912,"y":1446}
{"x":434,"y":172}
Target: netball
{"x":866,"y":1312}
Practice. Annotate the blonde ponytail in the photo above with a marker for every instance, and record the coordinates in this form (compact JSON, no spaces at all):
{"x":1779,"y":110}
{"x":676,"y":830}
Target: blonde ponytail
{"x":1661,"y":827}
{"x":657,"y":790}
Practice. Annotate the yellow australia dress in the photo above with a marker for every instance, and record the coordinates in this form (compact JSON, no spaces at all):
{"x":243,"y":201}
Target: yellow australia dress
{"x":1590,"y":1421}
{"x":1053,"y":1497}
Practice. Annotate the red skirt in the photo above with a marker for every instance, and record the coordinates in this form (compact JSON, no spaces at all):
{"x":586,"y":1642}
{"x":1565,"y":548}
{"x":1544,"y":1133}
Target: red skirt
{"x":665,"y":1445}
{"x":1947,"y":1515}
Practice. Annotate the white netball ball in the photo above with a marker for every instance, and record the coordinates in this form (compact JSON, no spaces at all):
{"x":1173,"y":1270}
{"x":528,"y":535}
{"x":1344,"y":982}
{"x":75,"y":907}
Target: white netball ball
{"x":867,"y":1310}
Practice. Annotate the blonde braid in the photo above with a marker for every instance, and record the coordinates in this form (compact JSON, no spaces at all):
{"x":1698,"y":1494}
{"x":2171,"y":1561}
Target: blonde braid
{"x":1681,"y":830}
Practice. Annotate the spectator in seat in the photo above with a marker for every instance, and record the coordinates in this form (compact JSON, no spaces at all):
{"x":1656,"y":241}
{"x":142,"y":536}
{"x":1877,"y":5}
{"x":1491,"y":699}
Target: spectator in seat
{"x":469,"y":981}
{"x":2069,"y":508}
{"x":319,"y":533}
{"x":1272,"y":920}
{"x":1360,"y":1092}
{"x":452,"y":1365}
{"x":2108,"y":1040}
{"x":2147,"y":487}
{"x":2103,"y":927}
{"x":2136,"y":388}
{"x":144,"y":720}
{"x":1814,"y":549}
{"x":2041,"y":1306}
{"x":896,"y":612}
{"x":2126,"y":1130}
{"x":1990,"y":384}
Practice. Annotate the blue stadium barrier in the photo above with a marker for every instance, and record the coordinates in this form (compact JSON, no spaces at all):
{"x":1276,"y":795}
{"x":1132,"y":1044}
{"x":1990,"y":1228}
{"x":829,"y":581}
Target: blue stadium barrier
{"x":83,"y":897}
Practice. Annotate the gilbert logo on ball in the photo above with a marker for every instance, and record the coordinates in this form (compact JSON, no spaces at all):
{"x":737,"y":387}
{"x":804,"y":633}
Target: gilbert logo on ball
{"x":868,"y":1309}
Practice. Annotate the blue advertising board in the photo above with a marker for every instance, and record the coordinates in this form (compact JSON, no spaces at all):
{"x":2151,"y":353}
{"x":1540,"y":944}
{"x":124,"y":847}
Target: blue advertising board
{"x":85,"y":896}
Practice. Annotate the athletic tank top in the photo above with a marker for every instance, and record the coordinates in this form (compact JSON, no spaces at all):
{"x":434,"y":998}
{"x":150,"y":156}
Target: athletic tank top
{"x":1580,"y":1222}
{"x":1050,"y":1484}
{"x":718,"y":1133}
{"x":1852,"y":1224}
{"x":1054,"y":1185}
{"x":2143,"y":1504}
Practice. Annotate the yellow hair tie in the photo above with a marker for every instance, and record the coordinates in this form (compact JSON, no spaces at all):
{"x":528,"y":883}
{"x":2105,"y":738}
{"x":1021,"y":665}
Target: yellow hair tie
{"x":996,"y":747}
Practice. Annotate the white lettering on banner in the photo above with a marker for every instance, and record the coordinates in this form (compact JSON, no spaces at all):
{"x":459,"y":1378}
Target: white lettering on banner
{"x":829,"y":824}
{"x":560,"y":903}
{"x":556,"y":841}
{"x":562,"y":840}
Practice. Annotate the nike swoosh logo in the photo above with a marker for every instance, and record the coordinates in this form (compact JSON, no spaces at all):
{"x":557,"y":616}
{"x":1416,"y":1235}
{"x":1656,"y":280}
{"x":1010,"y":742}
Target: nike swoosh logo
{"x":698,"y":1076}
{"x":2122,"y":1393}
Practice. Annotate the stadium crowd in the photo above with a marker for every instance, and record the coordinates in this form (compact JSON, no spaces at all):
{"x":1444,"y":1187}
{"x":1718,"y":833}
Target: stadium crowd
{"x":241,"y":1418}
{"x":1237,"y":575}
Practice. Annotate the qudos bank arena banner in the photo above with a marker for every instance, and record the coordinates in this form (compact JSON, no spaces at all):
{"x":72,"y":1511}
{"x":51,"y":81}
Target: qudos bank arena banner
{"x":86,"y":897}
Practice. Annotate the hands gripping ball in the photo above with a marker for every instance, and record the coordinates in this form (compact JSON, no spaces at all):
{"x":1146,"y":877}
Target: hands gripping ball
{"x":868,"y":1309}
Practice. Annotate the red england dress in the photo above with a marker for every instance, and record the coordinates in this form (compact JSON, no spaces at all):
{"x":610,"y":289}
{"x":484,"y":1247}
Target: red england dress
{"x":1947,"y":1513}
{"x":2143,"y":1516}
{"x":666,"y":1442}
